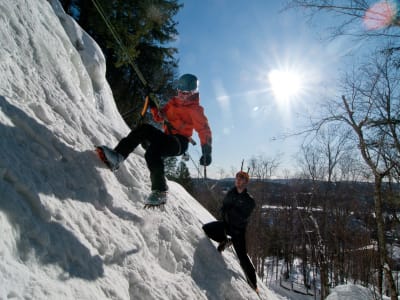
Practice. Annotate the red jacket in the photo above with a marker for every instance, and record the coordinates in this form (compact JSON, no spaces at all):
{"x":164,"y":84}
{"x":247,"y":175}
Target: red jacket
{"x":181,"y":116}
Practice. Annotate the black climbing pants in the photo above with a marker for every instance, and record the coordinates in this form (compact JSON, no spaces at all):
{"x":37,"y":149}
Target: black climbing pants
{"x":158,"y":146}
{"x":217,"y":232}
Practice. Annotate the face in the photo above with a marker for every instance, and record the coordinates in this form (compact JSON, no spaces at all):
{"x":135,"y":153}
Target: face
{"x":240,"y":182}
{"x":185,"y":95}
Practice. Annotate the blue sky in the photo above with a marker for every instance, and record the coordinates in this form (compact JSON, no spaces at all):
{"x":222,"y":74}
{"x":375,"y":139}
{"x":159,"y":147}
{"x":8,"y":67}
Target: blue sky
{"x":232,"y":46}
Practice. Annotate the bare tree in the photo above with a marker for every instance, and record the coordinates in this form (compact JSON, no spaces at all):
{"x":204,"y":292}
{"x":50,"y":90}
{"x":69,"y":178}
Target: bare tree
{"x":234,"y":170}
{"x":320,"y":160}
{"x":351,"y":168}
{"x":321,"y":157}
{"x":369,"y":109}
{"x":262,"y":167}
{"x":221,"y":173}
{"x":333,"y":145}
{"x":310,"y":163}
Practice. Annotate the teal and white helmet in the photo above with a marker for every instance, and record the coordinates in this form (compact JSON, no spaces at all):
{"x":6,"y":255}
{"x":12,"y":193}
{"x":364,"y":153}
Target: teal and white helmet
{"x":187,"y":83}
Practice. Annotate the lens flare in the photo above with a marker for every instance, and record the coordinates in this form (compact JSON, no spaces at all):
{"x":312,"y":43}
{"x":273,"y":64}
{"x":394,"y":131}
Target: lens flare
{"x":380,"y":15}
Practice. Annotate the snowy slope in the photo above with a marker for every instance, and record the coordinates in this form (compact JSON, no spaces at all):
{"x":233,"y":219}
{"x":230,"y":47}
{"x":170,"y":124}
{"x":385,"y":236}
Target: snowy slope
{"x":70,"y":228}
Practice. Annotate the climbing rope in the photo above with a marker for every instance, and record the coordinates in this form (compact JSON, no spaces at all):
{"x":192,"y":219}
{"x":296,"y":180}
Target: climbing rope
{"x":126,"y":53}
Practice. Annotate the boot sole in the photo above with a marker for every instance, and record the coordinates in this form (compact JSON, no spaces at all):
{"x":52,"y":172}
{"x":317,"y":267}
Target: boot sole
{"x":102,"y":157}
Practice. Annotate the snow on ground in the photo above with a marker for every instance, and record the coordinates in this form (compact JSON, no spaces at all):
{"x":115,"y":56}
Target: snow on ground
{"x":350,"y":292}
{"x":341,"y":292}
{"x":293,"y":289}
{"x":70,"y":228}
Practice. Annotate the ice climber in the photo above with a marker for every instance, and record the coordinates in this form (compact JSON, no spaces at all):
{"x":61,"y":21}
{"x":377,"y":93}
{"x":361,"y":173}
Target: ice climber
{"x":180,"y":115}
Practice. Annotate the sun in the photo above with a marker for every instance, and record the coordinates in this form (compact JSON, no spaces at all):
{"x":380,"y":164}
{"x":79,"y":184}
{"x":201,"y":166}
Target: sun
{"x":285,"y":84}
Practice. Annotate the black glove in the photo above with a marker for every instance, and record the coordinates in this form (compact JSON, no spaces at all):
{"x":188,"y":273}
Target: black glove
{"x":205,"y":159}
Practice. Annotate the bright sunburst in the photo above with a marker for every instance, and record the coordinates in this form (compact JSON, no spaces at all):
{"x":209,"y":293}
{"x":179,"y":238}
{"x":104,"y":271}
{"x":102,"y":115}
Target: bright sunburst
{"x":285,"y":85}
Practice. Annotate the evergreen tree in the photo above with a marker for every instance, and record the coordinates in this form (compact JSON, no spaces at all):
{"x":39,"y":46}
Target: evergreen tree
{"x":170,"y":167}
{"x":145,"y":28}
{"x":184,"y":178}
{"x":179,"y":173}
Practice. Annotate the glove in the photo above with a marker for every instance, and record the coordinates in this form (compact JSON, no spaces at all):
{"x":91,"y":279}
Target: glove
{"x":205,"y":159}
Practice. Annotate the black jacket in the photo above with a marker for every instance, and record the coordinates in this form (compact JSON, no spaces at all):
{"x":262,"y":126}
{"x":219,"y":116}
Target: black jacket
{"x":236,"y":210}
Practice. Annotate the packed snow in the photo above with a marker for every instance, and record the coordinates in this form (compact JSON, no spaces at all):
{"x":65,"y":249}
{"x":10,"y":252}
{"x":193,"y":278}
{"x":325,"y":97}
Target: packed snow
{"x":70,"y":228}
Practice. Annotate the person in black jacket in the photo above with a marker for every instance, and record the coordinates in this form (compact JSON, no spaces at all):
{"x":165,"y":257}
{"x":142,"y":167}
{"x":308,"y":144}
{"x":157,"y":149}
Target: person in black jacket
{"x":236,"y":209}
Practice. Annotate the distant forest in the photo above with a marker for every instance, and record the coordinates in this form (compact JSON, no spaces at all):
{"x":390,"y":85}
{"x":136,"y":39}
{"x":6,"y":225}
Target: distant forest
{"x":330,"y":227}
